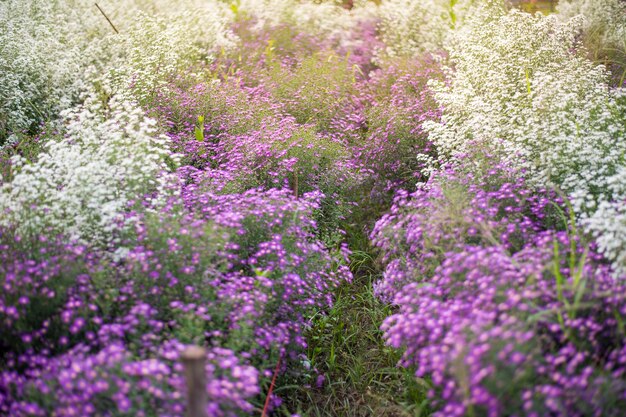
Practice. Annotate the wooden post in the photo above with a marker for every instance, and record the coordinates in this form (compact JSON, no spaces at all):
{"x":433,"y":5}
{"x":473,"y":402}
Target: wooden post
{"x":193,"y":359}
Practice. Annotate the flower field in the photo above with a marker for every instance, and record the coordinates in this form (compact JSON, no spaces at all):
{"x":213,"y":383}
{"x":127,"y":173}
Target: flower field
{"x":357,"y":208}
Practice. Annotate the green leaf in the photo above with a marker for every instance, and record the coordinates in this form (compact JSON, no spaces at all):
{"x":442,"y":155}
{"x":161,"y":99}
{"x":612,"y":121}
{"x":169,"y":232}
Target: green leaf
{"x":199,"y":130}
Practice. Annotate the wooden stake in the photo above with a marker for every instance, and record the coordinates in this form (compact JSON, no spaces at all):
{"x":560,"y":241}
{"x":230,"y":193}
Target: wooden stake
{"x":107,"y":18}
{"x":193,"y":359}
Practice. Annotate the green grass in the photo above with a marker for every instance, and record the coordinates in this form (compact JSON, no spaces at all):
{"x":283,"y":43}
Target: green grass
{"x":346,"y":345}
{"x":361,"y":373}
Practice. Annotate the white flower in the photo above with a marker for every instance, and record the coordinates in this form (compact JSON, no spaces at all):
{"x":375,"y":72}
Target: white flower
{"x":410,"y":27}
{"x":82,"y":184}
{"x":520,"y":89}
{"x":53,"y":53}
{"x":46,"y":48}
{"x":324,"y":19}
{"x":605,"y":19}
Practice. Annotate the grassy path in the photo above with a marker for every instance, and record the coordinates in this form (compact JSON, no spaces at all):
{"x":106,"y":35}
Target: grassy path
{"x":360,"y":376}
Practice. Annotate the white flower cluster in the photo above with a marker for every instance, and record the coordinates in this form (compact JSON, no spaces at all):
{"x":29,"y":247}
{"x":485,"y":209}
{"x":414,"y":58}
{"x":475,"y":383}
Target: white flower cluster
{"x":82,"y":184}
{"x":521,"y":90}
{"x":321,"y":18}
{"x":212,"y":14}
{"x":52,"y":53}
{"x":155,"y":49}
{"x":159,"y":38}
{"x":45,"y":49}
{"x":605,"y":19}
{"x":409,"y":27}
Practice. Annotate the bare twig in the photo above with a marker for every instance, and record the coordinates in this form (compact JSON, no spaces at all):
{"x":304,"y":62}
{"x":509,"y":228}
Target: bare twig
{"x":107,"y":18}
{"x":269,"y":392}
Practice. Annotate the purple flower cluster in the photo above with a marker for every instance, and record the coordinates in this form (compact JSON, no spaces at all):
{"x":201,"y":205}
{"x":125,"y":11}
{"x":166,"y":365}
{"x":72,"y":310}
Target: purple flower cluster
{"x":285,"y":142}
{"x":455,"y":207}
{"x":501,"y":304}
{"x":235,"y":272}
{"x":401,"y":102}
{"x":116,"y":382}
{"x":304,"y":122}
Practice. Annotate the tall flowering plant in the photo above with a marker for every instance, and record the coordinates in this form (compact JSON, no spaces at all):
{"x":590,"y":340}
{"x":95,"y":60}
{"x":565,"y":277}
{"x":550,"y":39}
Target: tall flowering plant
{"x":501,"y":304}
{"x":237,"y":273}
{"x":522,"y":89}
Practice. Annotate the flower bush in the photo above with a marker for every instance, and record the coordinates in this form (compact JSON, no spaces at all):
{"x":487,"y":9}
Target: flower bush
{"x":504,"y":305}
{"x":536,"y":103}
{"x":516,"y":335}
{"x":212,"y":173}
{"x":401,"y":103}
{"x":82,"y":183}
{"x":604,"y":30}
{"x":500,"y":303}
{"x":156,"y":48}
{"x":237,"y":272}
{"x":55,"y":54}
{"x":325,"y":19}
{"x":48,"y":52}
{"x":410,"y":27}
{"x":457,"y":207}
